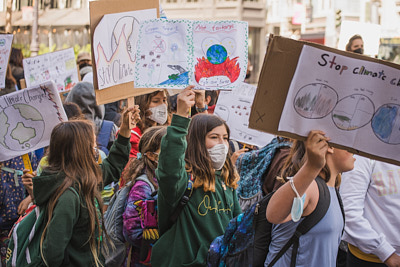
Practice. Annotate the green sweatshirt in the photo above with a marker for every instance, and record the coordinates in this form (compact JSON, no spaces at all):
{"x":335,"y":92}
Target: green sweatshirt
{"x":66,"y":238}
{"x":204,"y":218}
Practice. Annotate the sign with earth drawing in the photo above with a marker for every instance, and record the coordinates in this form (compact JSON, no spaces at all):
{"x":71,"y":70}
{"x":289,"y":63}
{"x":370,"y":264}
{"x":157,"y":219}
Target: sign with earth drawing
{"x":27,"y":118}
{"x":356,"y":102}
{"x":175,"y":53}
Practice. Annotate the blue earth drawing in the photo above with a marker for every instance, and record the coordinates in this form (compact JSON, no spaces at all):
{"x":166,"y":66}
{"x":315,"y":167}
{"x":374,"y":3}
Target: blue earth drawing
{"x":22,"y":127}
{"x":386,"y":123}
{"x":217,"y":54}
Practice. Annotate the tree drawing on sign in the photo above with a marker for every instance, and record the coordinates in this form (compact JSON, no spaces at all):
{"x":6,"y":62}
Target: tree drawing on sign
{"x":386,"y":124}
{"x":353,"y":112}
{"x":315,"y":100}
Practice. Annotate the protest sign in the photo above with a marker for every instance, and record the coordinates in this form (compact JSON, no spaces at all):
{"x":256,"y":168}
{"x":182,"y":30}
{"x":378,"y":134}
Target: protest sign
{"x":115,"y":46}
{"x":176,"y":53}
{"x":234,"y":107}
{"x":27,"y":117}
{"x":116,"y":82}
{"x":59,"y":67}
{"x":353,"y":98}
{"x":5,"y":49}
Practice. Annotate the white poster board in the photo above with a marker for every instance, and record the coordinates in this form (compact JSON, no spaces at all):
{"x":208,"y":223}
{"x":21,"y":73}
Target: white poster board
{"x":5,"y":49}
{"x":175,"y":53}
{"x":234,"y":107}
{"x":356,"y":102}
{"x":59,"y":67}
{"x":114,"y":41}
{"x":27,"y":117}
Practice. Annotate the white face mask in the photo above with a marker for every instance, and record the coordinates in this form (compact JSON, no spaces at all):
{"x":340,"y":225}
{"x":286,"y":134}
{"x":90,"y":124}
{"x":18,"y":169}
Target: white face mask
{"x":159,"y":114}
{"x":218,"y":155}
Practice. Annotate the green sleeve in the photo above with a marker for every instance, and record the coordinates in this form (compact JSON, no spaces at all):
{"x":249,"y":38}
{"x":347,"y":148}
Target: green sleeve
{"x":171,"y":173}
{"x":116,"y":160}
{"x":60,"y":229}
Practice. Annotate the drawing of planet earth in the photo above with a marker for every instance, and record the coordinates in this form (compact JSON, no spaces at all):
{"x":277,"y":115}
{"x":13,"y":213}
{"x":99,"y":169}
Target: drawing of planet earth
{"x":22,"y":127}
{"x":217,"y":54}
{"x":386,"y":123}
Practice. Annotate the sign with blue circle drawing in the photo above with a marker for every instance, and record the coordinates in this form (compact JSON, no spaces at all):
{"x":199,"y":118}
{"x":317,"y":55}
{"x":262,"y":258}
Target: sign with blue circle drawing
{"x":356,"y":102}
{"x":176,"y":53}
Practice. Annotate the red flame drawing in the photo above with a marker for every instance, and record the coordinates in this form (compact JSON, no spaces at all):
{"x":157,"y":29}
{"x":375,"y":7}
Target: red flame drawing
{"x":229,"y":68}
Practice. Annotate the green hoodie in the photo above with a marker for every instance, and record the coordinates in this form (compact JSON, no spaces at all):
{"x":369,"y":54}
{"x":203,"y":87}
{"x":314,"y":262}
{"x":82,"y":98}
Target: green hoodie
{"x":66,"y":240}
{"x":204,"y":218}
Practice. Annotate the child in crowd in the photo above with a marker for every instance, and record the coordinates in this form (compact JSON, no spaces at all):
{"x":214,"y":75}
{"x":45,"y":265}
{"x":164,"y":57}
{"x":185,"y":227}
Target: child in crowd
{"x":200,"y":151}
{"x":307,"y":161}
{"x":143,"y":188}
{"x":68,"y":189}
{"x":83,"y":95}
{"x":153,"y":111}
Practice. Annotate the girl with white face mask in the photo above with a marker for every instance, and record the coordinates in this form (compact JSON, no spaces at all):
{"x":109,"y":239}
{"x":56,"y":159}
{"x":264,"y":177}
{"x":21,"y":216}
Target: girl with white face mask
{"x":153,"y":111}
{"x":196,"y":147}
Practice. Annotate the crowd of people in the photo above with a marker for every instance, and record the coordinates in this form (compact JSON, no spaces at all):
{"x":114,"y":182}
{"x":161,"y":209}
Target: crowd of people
{"x":182,"y":171}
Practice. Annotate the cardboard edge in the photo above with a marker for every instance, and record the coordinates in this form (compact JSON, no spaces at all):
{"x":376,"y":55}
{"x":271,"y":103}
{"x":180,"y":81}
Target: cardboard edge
{"x":97,"y":10}
{"x":272,"y":127}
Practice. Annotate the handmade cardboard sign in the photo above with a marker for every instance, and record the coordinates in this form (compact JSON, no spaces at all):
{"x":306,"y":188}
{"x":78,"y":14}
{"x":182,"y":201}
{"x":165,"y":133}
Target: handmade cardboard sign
{"x":5,"y":49}
{"x":353,"y":98}
{"x":114,"y":71}
{"x":27,"y":117}
{"x":58,"y":66}
{"x":234,"y":107}
{"x":176,"y":53}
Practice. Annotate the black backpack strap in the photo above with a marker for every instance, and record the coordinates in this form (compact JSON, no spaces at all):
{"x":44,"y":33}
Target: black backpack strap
{"x":309,"y":222}
{"x":182,"y":203}
{"x":341,"y":207}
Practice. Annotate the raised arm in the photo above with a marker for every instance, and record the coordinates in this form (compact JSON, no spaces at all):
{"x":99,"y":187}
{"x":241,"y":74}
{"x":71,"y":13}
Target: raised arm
{"x":171,"y":173}
{"x":279,"y":207}
{"x":118,"y":157}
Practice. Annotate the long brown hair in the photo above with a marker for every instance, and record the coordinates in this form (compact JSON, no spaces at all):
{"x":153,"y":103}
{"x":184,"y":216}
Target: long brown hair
{"x":16,"y":57}
{"x":198,"y":160}
{"x":71,"y":152}
{"x":10,"y":80}
{"x":296,"y":159}
{"x":144,"y":102}
{"x":149,"y":142}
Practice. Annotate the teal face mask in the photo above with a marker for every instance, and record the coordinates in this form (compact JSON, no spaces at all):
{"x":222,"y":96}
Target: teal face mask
{"x":297,"y":208}
{"x":298,"y":203}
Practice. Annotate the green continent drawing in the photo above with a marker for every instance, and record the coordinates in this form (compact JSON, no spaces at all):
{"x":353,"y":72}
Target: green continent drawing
{"x":4,"y":129}
{"x":23,"y":134}
{"x":24,"y":127}
{"x":28,"y":113}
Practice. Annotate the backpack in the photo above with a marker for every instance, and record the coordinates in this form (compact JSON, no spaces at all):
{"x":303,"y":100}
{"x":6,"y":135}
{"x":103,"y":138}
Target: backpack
{"x":113,"y":222}
{"x":252,"y":166}
{"x":103,"y":137}
{"x":248,"y":236}
{"x":149,"y":222}
{"x":24,"y":245}
{"x":12,"y":190}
